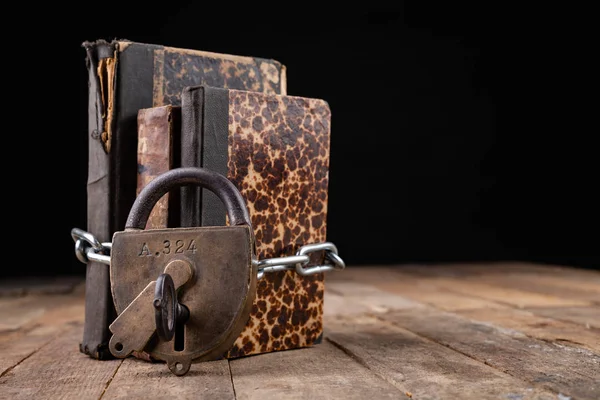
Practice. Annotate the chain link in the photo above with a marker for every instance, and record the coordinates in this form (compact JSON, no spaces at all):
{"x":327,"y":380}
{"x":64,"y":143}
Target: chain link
{"x":89,"y":248}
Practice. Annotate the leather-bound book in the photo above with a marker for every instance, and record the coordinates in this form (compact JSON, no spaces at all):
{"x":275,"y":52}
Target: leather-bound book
{"x":275,"y":149}
{"x":125,"y":77}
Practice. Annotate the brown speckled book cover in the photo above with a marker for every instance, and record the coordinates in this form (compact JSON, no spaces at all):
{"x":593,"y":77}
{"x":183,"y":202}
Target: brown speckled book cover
{"x":275,"y":149}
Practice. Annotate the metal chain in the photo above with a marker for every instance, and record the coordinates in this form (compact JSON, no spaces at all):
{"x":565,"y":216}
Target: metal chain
{"x":88,"y":248}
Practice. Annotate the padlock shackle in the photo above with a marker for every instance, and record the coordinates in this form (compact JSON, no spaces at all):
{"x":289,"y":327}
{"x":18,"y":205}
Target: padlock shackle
{"x":177,"y":177}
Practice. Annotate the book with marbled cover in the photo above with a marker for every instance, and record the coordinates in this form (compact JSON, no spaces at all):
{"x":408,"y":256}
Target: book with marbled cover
{"x":275,"y":149}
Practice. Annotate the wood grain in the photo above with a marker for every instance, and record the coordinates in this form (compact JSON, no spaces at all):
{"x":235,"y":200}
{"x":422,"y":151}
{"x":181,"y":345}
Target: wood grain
{"x":52,"y":316}
{"x":320,"y":372}
{"x":429,"y":293}
{"x":515,"y":289}
{"x":58,"y":370}
{"x":544,"y":281}
{"x":471,"y":331}
{"x":529,"y":322}
{"x":578,"y":290}
{"x":446,"y":291}
{"x":503,"y":268}
{"x":422,"y":367}
{"x":366,"y":298}
{"x":588,"y":317}
{"x":138,"y":379}
{"x":533,"y":325}
{"x":21,"y":286}
{"x":562,"y":368}
{"x":18,"y":311}
{"x":518,"y":298}
{"x":555,"y":366}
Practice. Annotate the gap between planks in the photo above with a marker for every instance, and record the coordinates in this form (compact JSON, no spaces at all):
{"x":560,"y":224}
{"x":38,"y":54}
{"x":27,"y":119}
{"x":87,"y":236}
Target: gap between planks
{"x":231,"y":378}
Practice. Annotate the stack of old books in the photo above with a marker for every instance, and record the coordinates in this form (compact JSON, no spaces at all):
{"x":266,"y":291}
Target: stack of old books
{"x":153,"y":108}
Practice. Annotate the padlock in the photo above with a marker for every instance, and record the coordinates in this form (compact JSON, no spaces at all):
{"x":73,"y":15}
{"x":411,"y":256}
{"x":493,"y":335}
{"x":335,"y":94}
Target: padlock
{"x":182,"y":295}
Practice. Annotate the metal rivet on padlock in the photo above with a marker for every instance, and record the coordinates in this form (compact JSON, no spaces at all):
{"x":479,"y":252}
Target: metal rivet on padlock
{"x":182,"y":294}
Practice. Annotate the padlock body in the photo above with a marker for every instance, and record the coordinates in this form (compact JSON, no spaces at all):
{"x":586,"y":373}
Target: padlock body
{"x":219,"y":295}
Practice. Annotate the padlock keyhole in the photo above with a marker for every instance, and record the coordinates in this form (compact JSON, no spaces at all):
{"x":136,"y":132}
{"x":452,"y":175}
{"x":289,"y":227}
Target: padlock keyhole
{"x":169,"y":314}
{"x":180,"y":330}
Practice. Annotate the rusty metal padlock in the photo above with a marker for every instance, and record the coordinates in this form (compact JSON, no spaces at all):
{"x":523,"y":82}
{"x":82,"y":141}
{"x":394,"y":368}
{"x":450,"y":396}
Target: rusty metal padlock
{"x":182,"y":294}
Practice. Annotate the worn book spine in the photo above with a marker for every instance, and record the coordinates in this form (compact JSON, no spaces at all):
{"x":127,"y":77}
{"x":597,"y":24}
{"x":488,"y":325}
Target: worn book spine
{"x":99,"y":309}
{"x":275,"y":149}
{"x":158,"y":136}
{"x":125,"y":77}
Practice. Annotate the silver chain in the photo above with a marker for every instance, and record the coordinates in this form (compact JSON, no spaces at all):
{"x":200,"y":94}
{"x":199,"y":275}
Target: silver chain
{"x":89,"y":248}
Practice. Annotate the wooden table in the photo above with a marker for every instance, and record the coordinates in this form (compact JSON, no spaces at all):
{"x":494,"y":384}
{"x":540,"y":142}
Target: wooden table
{"x":490,"y":331}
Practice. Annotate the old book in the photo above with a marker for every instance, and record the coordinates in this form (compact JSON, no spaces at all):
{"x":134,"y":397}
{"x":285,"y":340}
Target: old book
{"x":158,"y":136}
{"x":275,"y":149}
{"x":125,"y":77}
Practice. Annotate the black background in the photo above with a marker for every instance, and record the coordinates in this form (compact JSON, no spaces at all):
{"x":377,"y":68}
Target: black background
{"x":459,"y":132}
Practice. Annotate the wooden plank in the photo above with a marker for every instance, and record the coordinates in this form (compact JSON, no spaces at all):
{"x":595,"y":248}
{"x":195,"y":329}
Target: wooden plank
{"x":565,"y":369}
{"x":573,"y":274}
{"x":474,"y":281}
{"x":438,"y":292}
{"x":428,"y":293}
{"x":137,"y":379}
{"x":21,"y":312}
{"x":417,"y":288}
{"x":554,"y":366}
{"x":421,"y":367}
{"x":351,"y":299}
{"x":445,"y":281}
{"x":503,"y":295}
{"x":62,"y":313}
{"x":59,"y":370}
{"x":18,"y":311}
{"x":550,"y":281}
{"x":320,"y":372}
{"x":589,"y":317}
{"x":366,"y":274}
{"x":21,"y":286}
{"x":584,"y":291}
{"x":538,"y":327}
{"x":524,"y":321}
{"x":366,"y":299}
{"x":443,"y":295}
